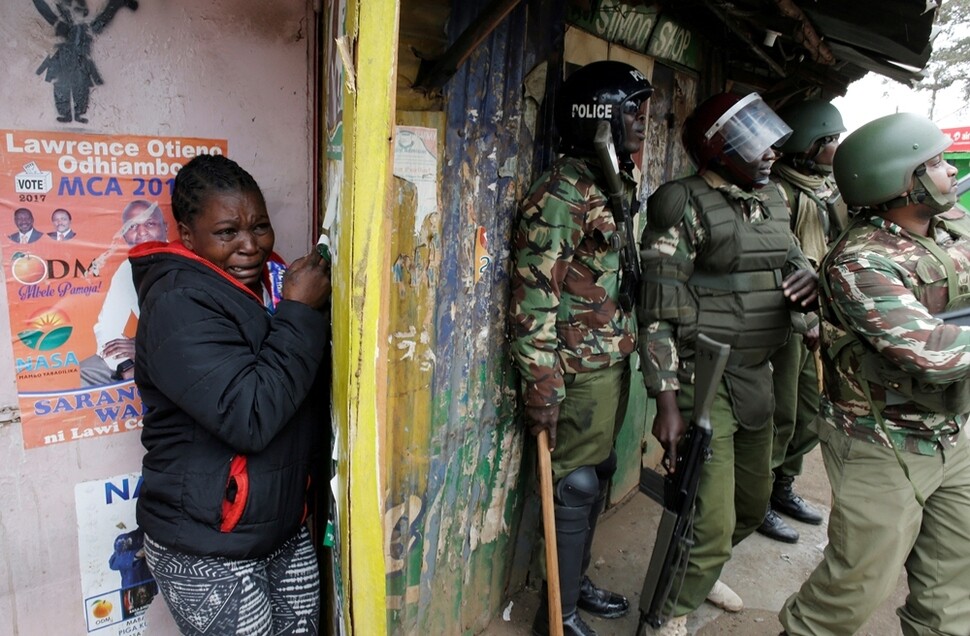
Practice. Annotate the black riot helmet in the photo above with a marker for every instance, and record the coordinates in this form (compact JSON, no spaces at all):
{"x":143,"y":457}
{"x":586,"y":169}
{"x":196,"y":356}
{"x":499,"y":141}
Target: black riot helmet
{"x":594,"y":93}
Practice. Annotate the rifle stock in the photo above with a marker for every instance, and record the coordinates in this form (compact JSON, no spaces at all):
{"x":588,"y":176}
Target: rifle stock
{"x":623,"y":214}
{"x":674,"y":534}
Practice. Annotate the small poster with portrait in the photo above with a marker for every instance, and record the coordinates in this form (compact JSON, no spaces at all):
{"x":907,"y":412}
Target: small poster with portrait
{"x":71,"y":205}
{"x":116,"y":584}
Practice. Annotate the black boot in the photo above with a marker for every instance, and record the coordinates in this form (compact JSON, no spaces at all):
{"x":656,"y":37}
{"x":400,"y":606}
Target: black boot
{"x":572,"y":625}
{"x":774,"y":527}
{"x":572,"y":528}
{"x":600,"y":602}
{"x":785,"y":501}
{"x":597,"y":601}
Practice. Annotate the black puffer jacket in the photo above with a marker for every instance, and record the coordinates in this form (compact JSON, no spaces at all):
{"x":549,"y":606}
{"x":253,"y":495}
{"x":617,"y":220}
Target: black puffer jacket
{"x":236,"y":407}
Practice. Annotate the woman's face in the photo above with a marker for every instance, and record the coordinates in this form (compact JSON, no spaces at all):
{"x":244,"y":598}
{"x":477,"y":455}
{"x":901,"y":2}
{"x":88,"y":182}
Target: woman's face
{"x":234,"y":233}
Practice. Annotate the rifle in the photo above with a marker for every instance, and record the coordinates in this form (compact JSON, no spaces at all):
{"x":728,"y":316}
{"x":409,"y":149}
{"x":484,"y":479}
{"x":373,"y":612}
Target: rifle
{"x":623,"y":214}
{"x":958,"y":317}
{"x":676,"y":492}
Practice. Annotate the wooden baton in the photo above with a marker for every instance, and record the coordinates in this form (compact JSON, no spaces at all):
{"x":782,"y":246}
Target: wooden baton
{"x":549,"y":530}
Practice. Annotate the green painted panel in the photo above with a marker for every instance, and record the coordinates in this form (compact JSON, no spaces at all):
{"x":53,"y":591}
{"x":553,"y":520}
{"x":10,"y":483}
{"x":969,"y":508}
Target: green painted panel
{"x":671,"y":42}
{"x":639,"y":28}
{"x":617,"y":22}
{"x":633,"y":439}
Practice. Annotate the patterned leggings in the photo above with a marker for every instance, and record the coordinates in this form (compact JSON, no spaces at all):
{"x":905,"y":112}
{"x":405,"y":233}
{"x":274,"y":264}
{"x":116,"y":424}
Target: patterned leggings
{"x":215,"y":596}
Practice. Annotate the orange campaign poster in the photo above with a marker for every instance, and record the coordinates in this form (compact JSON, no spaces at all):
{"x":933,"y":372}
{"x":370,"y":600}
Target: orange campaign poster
{"x":71,"y":205}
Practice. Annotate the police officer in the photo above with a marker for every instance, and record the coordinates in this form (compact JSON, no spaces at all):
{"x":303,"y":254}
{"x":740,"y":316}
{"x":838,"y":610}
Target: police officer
{"x":818,"y":216}
{"x":571,"y":338}
{"x":896,"y":392}
{"x":719,"y":258}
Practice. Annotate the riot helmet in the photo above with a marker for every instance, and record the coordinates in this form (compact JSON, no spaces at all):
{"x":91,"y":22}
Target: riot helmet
{"x":885,"y":158}
{"x":812,"y":122}
{"x":732,"y":131}
{"x":594,"y":93}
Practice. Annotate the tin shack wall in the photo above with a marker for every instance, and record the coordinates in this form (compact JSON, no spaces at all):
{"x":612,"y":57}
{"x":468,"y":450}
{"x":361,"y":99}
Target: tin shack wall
{"x":225,"y":69}
{"x":457,"y":482}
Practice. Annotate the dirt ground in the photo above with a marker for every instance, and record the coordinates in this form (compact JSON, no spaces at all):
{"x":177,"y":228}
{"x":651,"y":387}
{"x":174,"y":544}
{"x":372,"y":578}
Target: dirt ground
{"x":763,"y":572}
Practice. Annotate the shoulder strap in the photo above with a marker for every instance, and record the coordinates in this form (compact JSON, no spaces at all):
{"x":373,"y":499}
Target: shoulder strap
{"x":952,"y":282}
{"x":792,"y":200}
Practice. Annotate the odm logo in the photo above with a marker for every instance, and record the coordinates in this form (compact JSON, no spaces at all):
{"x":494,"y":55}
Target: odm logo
{"x":28,"y":269}
{"x":101,"y":609}
{"x":48,"y":329}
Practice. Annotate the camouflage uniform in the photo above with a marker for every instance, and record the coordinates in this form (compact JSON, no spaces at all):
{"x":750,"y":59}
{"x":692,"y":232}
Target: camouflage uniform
{"x":565,"y":317}
{"x":883,"y":284}
{"x":736,"y":482}
{"x":795,"y":378}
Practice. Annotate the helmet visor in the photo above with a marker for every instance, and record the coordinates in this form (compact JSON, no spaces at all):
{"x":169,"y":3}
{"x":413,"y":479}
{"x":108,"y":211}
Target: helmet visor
{"x":749,"y":128}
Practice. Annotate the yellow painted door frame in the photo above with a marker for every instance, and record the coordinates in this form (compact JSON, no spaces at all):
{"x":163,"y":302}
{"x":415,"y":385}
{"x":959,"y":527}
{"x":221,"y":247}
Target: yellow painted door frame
{"x":361,"y":279}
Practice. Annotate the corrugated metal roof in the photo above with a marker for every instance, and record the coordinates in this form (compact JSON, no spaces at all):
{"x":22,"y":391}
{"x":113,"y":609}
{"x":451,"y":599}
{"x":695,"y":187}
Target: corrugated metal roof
{"x":817,"y":43}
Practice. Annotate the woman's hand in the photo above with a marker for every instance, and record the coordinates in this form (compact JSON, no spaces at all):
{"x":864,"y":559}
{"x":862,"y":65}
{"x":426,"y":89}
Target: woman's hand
{"x":307,"y":281}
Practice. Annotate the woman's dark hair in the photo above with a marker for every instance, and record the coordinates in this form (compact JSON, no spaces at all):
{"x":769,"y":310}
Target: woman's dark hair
{"x":203,"y":176}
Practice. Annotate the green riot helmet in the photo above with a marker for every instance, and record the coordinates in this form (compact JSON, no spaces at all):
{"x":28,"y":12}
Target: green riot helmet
{"x":883,"y":159}
{"x":811,"y":121}
{"x":596,"y":92}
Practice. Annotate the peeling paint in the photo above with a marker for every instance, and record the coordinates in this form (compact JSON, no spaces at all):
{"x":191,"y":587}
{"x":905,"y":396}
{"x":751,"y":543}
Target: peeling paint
{"x":453,"y":438}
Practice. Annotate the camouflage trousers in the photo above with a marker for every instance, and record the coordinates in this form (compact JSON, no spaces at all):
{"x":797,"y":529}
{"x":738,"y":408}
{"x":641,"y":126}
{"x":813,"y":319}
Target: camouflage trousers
{"x":590,"y":417}
{"x":796,"y":405}
{"x":876,"y":528}
{"x":732,"y":496}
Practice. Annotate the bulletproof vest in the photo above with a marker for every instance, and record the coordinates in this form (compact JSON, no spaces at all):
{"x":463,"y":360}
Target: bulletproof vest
{"x":737,"y":277}
{"x":900,"y":387}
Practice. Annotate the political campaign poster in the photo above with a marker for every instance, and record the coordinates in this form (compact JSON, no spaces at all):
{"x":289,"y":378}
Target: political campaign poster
{"x":116,"y":584}
{"x":71,"y":206}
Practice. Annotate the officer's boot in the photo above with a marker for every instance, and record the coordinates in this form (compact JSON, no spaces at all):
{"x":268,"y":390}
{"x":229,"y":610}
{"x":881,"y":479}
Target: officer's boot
{"x":785,"y":501}
{"x":575,"y":495}
{"x":571,"y":531}
{"x":774,"y":527}
{"x":572,"y":625}
{"x":592,"y":599}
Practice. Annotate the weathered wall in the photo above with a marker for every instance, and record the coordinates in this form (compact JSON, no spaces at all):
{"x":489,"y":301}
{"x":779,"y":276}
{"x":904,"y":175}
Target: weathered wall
{"x":232,"y":69}
{"x":455,"y":486}
{"x":460,"y":510}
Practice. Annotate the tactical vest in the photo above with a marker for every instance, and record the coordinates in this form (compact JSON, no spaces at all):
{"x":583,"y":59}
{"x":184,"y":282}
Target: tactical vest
{"x":737,"y":277}
{"x":873,"y":368}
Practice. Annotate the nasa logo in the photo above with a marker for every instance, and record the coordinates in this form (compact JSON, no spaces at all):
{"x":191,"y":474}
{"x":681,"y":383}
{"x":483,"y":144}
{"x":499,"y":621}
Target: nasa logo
{"x":47,"y":329}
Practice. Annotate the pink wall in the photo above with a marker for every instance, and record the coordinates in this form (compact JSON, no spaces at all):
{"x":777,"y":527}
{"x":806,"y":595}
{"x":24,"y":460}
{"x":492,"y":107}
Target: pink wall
{"x":224,"y":69}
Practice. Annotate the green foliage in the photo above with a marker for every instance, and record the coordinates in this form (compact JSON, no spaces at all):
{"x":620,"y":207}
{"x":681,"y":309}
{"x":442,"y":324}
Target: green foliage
{"x":949,"y":65}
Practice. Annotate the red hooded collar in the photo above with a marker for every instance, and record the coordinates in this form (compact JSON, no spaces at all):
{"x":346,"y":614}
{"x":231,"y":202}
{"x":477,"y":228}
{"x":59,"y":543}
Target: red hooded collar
{"x":177,"y":248}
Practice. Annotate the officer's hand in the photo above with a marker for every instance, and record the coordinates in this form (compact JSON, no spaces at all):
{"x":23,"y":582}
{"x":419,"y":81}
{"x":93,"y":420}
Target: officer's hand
{"x":810,"y":338}
{"x":308,"y":280}
{"x":543,"y":418}
{"x":669,"y":428}
{"x":801,"y":289}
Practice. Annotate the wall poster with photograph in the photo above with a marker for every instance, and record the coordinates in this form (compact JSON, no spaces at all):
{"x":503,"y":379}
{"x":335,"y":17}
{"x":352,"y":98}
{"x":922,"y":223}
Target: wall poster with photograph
{"x":71,"y":205}
{"x":116,"y":585}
